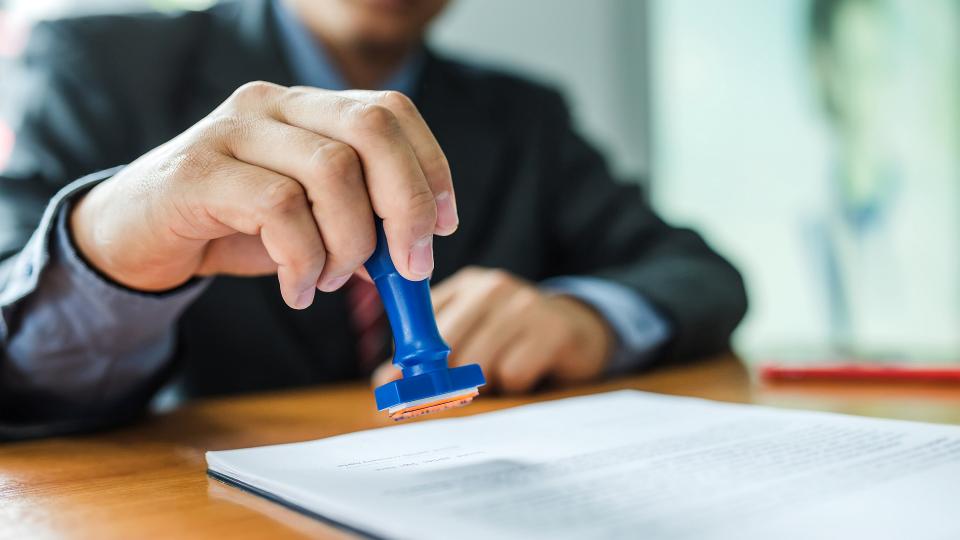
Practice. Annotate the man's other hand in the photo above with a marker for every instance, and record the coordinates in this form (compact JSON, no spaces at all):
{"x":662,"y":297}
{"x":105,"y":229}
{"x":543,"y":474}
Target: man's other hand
{"x":275,"y":180}
{"x":518,"y":334}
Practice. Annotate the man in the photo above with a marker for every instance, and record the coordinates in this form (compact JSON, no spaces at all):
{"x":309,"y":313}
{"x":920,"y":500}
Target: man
{"x":555,"y":272}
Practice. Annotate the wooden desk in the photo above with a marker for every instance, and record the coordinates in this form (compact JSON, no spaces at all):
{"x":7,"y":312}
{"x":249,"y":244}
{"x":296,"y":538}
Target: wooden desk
{"x":148,"y":481}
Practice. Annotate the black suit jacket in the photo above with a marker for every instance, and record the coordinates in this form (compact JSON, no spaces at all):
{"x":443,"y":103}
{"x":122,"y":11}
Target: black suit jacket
{"x":534,"y":198}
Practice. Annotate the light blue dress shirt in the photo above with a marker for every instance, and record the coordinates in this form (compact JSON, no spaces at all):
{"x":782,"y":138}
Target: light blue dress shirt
{"x":68,"y":332}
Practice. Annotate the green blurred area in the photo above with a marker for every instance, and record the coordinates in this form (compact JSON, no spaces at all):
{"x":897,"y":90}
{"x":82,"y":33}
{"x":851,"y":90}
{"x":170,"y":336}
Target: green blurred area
{"x":837,"y":195}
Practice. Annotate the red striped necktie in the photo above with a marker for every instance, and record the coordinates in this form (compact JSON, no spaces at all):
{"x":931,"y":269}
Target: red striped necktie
{"x":369,"y":322}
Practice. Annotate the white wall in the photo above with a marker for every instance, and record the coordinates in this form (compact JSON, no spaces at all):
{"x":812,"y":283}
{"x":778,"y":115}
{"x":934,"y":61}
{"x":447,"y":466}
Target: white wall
{"x":594,"y":50}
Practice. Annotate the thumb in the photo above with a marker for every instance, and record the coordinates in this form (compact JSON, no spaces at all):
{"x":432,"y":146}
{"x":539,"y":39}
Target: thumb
{"x":237,"y":255}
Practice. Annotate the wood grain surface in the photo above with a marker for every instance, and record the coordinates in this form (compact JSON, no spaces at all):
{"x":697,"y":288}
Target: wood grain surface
{"x":149,"y":481}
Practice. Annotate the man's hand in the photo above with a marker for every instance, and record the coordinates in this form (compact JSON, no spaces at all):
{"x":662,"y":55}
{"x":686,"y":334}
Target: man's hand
{"x":275,"y":180}
{"x":518,"y":334}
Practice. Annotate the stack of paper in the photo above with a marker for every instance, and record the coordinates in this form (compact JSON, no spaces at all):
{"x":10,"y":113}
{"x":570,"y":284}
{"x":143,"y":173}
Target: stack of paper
{"x":622,"y":465}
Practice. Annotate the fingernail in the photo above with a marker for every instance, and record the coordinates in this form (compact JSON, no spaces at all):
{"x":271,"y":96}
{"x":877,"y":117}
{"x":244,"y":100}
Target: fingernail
{"x":421,"y":257}
{"x":447,"y":219}
{"x":305,"y":298}
{"x":334,"y":283}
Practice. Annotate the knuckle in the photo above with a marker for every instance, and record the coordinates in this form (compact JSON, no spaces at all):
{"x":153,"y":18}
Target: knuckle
{"x":337,"y":160}
{"x":255,"y":91}
{"x":282,"y":197}
{"x":286,"y":97}
{"x":377,"y":119}
{"x":422,"y":206}
{"x":397,"y":101}
{"x":500,"y":280}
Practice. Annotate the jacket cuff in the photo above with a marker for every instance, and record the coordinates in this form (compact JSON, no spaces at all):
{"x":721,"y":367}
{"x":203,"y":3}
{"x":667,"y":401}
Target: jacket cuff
{"x":73,"y":334}
{"x":21,"y":273}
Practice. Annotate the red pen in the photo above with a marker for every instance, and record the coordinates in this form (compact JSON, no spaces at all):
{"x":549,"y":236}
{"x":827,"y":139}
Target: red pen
{"x":773,"y":371}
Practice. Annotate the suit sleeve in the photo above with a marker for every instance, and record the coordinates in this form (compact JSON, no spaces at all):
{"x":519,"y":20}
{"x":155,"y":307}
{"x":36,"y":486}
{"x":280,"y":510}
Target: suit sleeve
{"x":76,"y":352}
{"x":65,"y":123}
{"x":605,"y":229}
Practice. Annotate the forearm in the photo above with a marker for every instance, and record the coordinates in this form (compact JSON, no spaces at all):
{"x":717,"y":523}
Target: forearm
{"x":71,"y":338}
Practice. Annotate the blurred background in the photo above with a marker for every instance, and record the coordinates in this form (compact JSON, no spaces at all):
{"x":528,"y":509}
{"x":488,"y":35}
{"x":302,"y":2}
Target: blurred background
{"x":814,"y":142}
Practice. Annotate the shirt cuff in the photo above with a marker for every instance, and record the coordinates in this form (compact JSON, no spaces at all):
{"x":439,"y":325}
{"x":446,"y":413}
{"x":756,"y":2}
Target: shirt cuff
{"x":639,"y":329}
{"x":74,"y":334}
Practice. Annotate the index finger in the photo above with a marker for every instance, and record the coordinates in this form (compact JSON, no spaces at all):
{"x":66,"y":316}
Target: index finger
{"x":433,"y":162}
{"x":398,"y":188}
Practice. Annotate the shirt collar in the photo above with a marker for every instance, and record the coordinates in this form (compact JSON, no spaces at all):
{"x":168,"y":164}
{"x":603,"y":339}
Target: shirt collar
{"x":311,"y":65}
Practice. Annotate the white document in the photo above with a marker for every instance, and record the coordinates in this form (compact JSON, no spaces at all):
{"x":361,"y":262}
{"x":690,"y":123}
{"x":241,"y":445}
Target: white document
{"x":623,"y":465}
